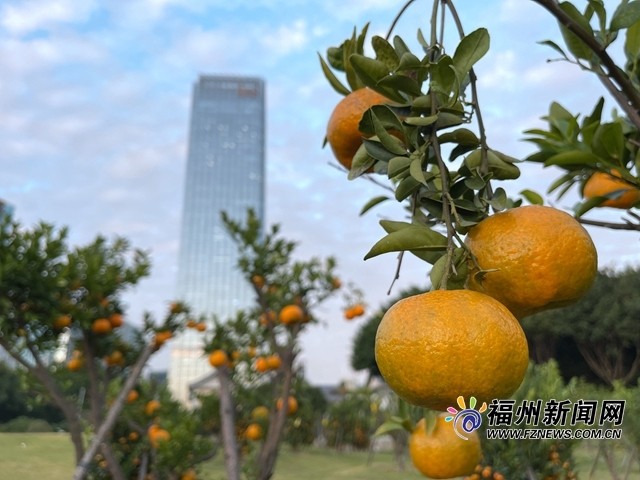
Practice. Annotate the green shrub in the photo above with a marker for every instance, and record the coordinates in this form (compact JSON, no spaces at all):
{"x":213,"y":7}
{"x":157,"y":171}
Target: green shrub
{"x":26,"y":424}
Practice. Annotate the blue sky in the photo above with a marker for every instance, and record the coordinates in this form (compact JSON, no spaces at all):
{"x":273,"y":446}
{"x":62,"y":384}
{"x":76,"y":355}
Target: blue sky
{"x":94,"y":101}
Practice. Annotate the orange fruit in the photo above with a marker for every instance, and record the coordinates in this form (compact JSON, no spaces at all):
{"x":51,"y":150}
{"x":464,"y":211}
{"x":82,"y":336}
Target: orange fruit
{"x":151,"y":407}
{"x":435,"y":346}
{"x":116,"y":320}
{"x":74,"y":364}
{"x":162,"y":337}
{"x":291,"y":314}
{"x":190,"y":474}
{"x":343,"y":134}
{"x":358,"y":310}
{"x":260,"y":413}
{"x":251,"y":351}
{"x":158,"y":435}
{"x":258,"y":281}
{"x":133,"y":436}
{"x":201,"y":326}
{"x":61,"y":322}
{"x":218,"y":358}
{"x":253,"y":432}
{"x":600,"y":184}
{"x":261,"y":365}
{"x":349,"y":314}
{"x":486,"y":472}
{"x":191,"y":323}
{"x":273,"y":362}
{"x":115,"y":358}
{"x":441,"y":453}
{"x":101,"y":326}
{"x":267,"y":318}
{"x":336,"y":283}
{"x":132,"y":396}
{"x":534,"y":257}
{"x":292,"y":405}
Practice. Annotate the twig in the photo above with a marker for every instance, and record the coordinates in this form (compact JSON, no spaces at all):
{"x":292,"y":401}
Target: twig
{"x":397,"y":18}
{"x":613,"y":226}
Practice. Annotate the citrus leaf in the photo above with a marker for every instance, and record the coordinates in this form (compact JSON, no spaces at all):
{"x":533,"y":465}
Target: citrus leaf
{"x":385,"y":52}
{"x":572,"y":158}
{"x":406,"y":187}
{"x":609,"y":141}
{"x":388,"y":427}
{"x":377,"y":150}
{"x":555,"y":46}
{"x":532,"y":197}
{"x":576,"y":46}
{"x":632,"y":41}
{"x":415,"y":170}
{"x":333,"y":80}
{"x":398,"y":165}
{"x":413,"y":237}
{"x":361,"y":163}
{"x":421,"y":121}
{"x":372,"y":203}
{"x":371,"y":71}
{"x":583,"y":207}
{"x":471,"y":49}
{"x":625,"y":15}
{"x":461,"y":136}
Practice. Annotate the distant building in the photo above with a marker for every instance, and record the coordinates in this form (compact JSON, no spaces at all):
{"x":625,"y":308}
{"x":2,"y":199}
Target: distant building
{"x":225,"y":172}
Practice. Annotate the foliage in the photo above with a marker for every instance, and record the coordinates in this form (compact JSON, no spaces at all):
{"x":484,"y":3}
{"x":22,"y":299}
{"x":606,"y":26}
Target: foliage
{"x":603,"y":326}
{"x":287,"y":291}
{"x":61,"y":319}
{"x":581,"y":146}
{"x":522,"y":458}
{"x":351,"y":420}
{"x":26,"y":424}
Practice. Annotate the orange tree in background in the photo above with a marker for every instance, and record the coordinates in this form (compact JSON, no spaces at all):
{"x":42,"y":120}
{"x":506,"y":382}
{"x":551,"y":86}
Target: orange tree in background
{"x":426,"y":145}
{"x":257,"y":350}
{"x":53,"y":300}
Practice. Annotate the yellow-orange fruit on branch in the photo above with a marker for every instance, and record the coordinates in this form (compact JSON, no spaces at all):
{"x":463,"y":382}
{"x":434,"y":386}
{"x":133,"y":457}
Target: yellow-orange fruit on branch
{"x":343,"y":134}
{"x":435,"y":346}
{"x":441,"y":453}
{"x":534,"y":258}
{"x":601,"y":184}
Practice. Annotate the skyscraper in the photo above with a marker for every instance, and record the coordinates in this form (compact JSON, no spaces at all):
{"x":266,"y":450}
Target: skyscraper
{"x":225,"y":172}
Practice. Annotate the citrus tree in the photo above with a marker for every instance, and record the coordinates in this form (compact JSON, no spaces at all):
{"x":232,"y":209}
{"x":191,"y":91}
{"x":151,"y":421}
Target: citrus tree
{"x":61,"y":315}
{"x":255,"y":354}
{"x":493,"y":261}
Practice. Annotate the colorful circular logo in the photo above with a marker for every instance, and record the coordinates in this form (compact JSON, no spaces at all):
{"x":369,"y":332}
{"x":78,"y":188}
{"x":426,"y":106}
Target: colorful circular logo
{"x":465,"y":420}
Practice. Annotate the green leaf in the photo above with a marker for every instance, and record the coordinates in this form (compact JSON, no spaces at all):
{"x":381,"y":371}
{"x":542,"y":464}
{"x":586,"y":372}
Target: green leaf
{"x":461,"y":136}
{"x":406,"y":187}
{"x":415,"y":170}
{"x":555,"y":46}
{"x":400,"y":46}
{"x":398,"y":165}
{"x":391,"y":144}
{"x":583,"y":207}
{"x":335,"y":58}
{"x":625,"y":15}
{"x":471,"y":49}
{"x":385,"y":52}
{"x":443,"y":76}
{"x":388,"y":427}
{"x":333,"y":80}
{"x":401,"y":83}
{"x":361,"y":163}
{"x":499,"y":200}
{"x":573,"y":158}
{"x":372,"y":203}
{"x":369,"y":70}
{"x":499,"y":167}
{"x":576,"y":46}
{"x":377,"y":150}
{"x":632,"y":42}
{"x":608,"y":142}
{"x":361,"y":38}
{"x":532,"y":197}
{"x":421,"y":121}
{"x":413,"y":237}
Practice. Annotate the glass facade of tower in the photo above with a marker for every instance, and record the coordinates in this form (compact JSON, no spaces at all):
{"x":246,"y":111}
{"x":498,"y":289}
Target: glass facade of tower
{"x":225,"y":172}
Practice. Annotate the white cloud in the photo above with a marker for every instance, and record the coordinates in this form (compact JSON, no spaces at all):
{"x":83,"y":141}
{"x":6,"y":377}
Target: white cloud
{"x":286,"y":38}
{"x":28,"y":16}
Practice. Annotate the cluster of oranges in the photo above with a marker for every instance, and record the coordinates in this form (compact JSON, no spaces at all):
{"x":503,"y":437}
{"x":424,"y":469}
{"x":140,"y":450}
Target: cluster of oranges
{"x":485,"y":471}
{"x":354,"y":311}
{"x":102,"y":326}
{"x":433,"y":347}
{"x":260,"y":415}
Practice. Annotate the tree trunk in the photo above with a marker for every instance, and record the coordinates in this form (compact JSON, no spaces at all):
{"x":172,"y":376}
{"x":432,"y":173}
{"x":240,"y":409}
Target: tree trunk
{"x":269,"y":451}
{"x":228,"y":425}
{"x":112,"y":416}
{"x":70,"y":412}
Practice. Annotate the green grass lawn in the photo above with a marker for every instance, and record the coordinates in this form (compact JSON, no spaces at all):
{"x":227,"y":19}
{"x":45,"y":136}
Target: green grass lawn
{"x":36,"y":456}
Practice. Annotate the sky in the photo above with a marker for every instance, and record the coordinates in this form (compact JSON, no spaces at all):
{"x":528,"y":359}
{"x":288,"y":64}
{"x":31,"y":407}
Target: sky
{"x":94,"y":111}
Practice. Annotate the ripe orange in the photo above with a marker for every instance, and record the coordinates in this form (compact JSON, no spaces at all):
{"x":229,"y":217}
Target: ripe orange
{"x":291,"y":314}
{"x":115,"y":358}
{"x":132,"y":396}
{"x":218,"y":358}
{"x":260,"y":413}
{"x":61,"y":322}
{"x":101,"y":326}
{"x":162,"y":337}
{"x":116,"y":320}
{"x":336,"y":283}
{"x":535,"y":258}
{"x":258,"y":281}
{"x":158,"y":435}
{"x":441,"y":453}
{"x":343,"y":134}
{"x":292,"y":405}
{"x":273,"y":362}
{"x":267,"y":318}
{"x":261,"y":365}
{"x":74,"y":364}
{"x":190,"y":474}
{"x":435,"y":346}
{"x":201,"y":326}
{"x":151,"y":407}
{"x":600,"y":184}
{"x":133,"y":436}
{"x":253,"y":432}
{"x":191,"y":323}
